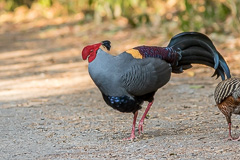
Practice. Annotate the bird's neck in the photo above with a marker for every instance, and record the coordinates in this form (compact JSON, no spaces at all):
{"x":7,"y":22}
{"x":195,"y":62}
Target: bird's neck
{"x":102,"y":69}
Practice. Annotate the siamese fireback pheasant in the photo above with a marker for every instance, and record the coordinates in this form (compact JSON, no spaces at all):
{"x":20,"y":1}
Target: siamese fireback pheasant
{"x":132,"y":77}
{"x":227,"y":97}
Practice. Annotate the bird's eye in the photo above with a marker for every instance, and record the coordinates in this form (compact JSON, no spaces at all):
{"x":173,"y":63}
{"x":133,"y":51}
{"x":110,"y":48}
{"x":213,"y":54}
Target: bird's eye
{"x":91,"y":50}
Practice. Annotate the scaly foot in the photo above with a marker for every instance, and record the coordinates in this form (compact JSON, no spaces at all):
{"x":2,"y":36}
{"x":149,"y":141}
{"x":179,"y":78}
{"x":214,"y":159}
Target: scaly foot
{"x":229,"y":138}
{"x":237,"y":139}
{"x":131,"y":138}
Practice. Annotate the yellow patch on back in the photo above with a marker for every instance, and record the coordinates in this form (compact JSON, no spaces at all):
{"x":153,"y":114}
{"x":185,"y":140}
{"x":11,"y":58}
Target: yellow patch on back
{"x":135,"y":53}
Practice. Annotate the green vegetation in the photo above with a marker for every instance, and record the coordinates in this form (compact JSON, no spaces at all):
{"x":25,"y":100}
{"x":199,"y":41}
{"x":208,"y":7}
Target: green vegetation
{"x":212,"y":15}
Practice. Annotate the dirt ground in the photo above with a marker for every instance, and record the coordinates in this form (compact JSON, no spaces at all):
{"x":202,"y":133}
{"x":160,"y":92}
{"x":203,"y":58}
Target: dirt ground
{"x":50,"y":108}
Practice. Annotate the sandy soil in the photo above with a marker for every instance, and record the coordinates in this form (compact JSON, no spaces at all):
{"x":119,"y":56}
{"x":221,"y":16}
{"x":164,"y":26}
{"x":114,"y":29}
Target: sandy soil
{"x":50,"y":108}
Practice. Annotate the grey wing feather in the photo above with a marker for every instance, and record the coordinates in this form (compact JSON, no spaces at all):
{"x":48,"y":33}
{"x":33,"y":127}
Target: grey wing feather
{"x":236,"y":93}
{"x":146,"y":75}
{"x":227,"y":88}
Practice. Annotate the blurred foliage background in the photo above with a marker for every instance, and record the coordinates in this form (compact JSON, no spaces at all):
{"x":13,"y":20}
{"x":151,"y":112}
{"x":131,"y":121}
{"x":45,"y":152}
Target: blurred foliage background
{"x":203,"y":15}
{"x":43,"y":39}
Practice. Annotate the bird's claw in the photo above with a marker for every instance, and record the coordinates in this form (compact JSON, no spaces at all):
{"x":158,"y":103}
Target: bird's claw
{"x":237,"y":139}
{"x":232,"y":139}
{"x":229,"y":138}
{"x":131,"y":138}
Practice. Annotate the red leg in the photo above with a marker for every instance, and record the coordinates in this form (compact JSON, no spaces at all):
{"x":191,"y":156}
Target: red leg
{"x":229,"y":132}
{"x":133,"y":127}
{"x":140,"y":125}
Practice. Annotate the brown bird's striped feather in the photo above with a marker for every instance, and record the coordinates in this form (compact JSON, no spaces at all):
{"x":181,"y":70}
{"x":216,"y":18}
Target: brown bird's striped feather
{"x":226,"y":88}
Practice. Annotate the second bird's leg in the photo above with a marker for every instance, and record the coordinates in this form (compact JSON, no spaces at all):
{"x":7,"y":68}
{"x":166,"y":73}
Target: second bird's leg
{"x":133,"y":127}
{"x":140,"y":125}
{"x":229,"y":132}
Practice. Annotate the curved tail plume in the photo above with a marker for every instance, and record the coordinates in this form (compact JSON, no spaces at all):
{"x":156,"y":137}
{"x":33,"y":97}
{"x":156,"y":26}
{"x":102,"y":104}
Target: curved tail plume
{"x":197,"y":48}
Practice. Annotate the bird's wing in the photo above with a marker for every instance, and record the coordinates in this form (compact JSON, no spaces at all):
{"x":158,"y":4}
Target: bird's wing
{"x":226,"y":88}
{"x":145,"y":76}
{"x":236,"y":93}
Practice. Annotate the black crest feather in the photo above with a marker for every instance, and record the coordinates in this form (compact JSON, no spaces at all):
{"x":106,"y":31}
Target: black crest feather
{"x":107,"y":44}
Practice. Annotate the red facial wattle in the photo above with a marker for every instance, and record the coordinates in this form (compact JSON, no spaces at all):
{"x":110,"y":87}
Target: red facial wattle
{"x":90,"y":52}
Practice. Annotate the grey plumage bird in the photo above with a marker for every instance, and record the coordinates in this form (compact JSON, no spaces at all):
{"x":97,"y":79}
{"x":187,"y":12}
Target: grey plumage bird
{"x":227,"y":97}
{"x":134,"y":76}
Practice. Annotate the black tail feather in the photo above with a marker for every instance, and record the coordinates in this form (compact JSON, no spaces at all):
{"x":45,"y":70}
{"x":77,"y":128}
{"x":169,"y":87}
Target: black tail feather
{"x":196,"y":51}
{"x":192,"y":35}
{"x":197,"y":48}
{"x":201,"y":60}
{"x":224,"y":65}
{"x":197,"y":60}
{"x":185,"y":44}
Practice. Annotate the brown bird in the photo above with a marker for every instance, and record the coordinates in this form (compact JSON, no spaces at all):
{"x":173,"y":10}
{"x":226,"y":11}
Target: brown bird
{"x":227,"y":97}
